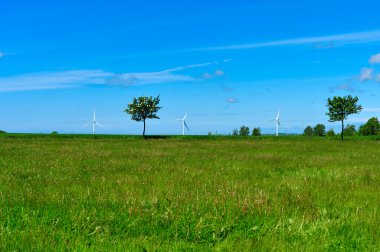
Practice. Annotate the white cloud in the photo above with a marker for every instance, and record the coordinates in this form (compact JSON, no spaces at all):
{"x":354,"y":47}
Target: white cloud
{"x":52,"y":80}
{"x":347,"y":87}
{"x":375,"y":59}
{"x":232,"y":100}
{"x":218,"y":73}
{"x":72,"y":79}
{"x":371,"y":110}
{"x":366,"y":74}
{"x":207,"y":76}
{"x":343,"y":39}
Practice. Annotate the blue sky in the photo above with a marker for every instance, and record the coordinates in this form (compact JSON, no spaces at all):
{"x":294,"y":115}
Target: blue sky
{"x":226,"y":63}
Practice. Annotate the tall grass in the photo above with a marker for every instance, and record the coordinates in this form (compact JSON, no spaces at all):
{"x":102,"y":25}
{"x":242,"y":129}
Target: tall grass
{"x":115,"y":193}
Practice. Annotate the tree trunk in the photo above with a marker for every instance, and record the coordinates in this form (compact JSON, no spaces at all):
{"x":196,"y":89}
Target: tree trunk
{"x":144,"y":129}
{"x":341,"y":134}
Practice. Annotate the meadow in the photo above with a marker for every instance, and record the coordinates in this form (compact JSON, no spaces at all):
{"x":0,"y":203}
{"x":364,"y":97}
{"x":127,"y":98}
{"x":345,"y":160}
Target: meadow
{"x":189,"y":193}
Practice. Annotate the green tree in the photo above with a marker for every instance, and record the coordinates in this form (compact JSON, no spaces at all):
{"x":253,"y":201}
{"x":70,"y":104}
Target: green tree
{"x":3,"y":132}
{"x":371,"y":127}
{"x":235,"y":132}
{"x":330,"y":133}
{"x":308,"y":131}
{"x":143,"y":108}
{"x":320,"y":130}
{"x":256,"y":132}
{"x":339,"y":108}
{"x":244,"y":131}
{"x":350,"y":130}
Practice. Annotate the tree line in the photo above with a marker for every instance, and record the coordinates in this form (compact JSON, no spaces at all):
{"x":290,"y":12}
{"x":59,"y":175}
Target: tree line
{"x":370,"y":128}
{"x":338,"y":110}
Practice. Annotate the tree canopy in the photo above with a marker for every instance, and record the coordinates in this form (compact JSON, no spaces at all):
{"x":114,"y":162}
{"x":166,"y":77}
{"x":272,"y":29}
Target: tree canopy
{"x":339,"y":108}
{"x":143,"y":108}
{"x":244,"y":131}
{"x":308,"y":131}
{"x":256,"y":132}
{"x":371,"y":127}
{"x":320,"y":130}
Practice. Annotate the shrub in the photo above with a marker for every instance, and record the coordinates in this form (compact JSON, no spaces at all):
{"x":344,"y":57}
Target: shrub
{"x":320,"y":130}
{"x":308,"y":131}
{"x":330,"y":133}
{"x":256,"y":132}
{"x":244,"y":131}
{"x":350,"y":130}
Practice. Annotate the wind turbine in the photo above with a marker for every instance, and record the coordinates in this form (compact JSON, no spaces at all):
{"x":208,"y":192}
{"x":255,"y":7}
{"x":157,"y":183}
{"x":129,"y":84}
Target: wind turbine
{"x":277,"y":120}
{"x":183,"y":120}
{"x":94,"y":124}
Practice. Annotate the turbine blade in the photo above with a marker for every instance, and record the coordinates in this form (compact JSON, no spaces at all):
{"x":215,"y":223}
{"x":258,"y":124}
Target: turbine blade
{"x":186,"y":126}
{"x":184,"y":118}
{"x":99,"y":125}
{"x":279,"y":124}
{"x":86,"y":125}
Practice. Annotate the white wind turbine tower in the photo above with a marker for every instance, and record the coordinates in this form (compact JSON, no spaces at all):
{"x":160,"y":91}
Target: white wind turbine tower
{"x":277,"y":120}
{"x":183,"y":120}
{"x":94,"y":124}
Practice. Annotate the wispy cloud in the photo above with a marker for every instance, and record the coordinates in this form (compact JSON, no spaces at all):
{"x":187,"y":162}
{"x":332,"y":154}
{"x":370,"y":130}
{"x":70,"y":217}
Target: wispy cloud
{"x":52,"y":80}
{"x":165,"y":76}
{"x":73,"y":79}
{"x":366,"y":74}
{"x":343,"y":39}
{"x":375,"y":59}
{"x":217,"y":73}
{"x":232,"y":100}
{"x":207,"y":76}
{"x":371,"y":109}
{"x":1,"y":54}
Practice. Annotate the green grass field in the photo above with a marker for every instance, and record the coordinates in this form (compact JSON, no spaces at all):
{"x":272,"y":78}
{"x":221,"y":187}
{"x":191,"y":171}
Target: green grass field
{"x":126,"y":193}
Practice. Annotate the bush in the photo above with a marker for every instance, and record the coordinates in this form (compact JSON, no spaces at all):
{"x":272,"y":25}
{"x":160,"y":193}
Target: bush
{"x":350,"y":130}
{"x":320,"y":130}
{"x":244,"y":131}
{"x":371,"y":127}
{"x":3,"y":132}
{"x":330,"y":133}
{"x":54,"y":133}
{"x":308,"y":131}
{"x":256,"y":132}
{"x":235,"y":132}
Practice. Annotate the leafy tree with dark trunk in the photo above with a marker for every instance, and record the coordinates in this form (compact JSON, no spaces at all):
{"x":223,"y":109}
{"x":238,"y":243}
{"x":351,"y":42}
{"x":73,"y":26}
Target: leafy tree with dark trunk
{"x":319,"y":130}
{"x":339,"y":108}
{"x":244,"y":131}
{"x":371,"y":127}
{"x":143,"y":108}
{"x":256,"y":132}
